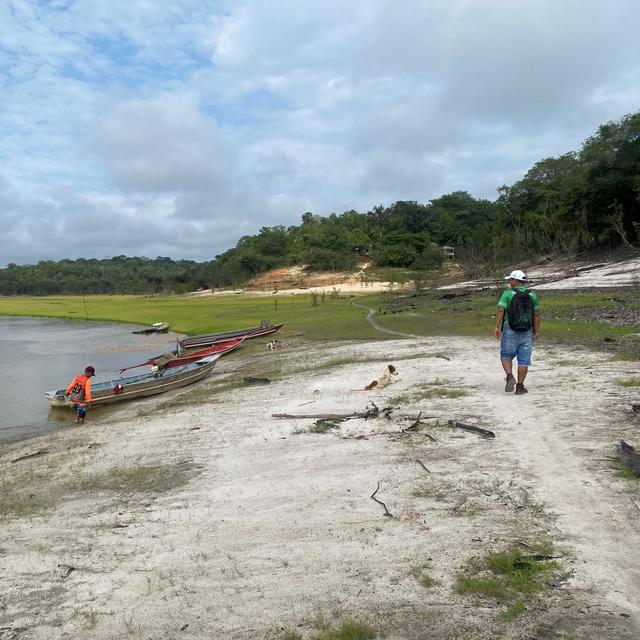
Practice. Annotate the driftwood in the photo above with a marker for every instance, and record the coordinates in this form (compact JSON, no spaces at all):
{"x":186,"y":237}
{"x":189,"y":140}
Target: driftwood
{"x":561,"y":579}
{"x":373,"y":497}
{"x":485,"y":433}
{"x":629,"y":457}
{"x":372,"y":412}
{"x":252,"y":380}
{"x":415,"y":426}
{"x":35,"y":454}
{"x":65,"y":570}
{"x":422,"y":465}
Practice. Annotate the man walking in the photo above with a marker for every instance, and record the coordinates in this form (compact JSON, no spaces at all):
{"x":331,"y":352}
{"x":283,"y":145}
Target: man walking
{"x":79,"y":392}
{"x":517,"y":326}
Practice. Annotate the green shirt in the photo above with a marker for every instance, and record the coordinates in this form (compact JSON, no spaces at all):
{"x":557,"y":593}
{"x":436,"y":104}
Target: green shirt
{"x":505,"y":300}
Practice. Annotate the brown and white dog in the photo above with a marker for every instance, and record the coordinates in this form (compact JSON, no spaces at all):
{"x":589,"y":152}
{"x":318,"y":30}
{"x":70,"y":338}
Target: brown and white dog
{"x":383,"y":380}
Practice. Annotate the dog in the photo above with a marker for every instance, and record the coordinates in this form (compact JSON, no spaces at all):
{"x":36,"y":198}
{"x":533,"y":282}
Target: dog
{"x":383,"y":380}
{"x":273,"y":345}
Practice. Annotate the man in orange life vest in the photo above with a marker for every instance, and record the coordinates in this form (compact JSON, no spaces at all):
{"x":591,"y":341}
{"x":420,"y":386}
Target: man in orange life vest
{"x":79,"y":392}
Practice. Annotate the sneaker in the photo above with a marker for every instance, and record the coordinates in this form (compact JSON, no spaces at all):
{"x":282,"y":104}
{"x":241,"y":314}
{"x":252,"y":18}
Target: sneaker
{"x":511,"y":383}
{"x":521,"y":389}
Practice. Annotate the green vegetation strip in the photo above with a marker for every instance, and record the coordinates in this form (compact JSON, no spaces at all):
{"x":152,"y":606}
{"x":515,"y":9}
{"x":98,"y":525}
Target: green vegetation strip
{"x":346,"y":630}
{"x":511,"y":577}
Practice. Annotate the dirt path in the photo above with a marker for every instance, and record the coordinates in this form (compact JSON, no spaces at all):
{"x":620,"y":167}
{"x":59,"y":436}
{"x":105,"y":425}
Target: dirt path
{"x":549,"y":433}
{"x":371,"y":319}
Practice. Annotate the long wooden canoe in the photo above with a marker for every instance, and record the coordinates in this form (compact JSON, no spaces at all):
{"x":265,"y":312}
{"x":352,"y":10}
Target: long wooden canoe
{"x":214,"y":338}
{"x":133,"y":387}
{"x":172,"y":359}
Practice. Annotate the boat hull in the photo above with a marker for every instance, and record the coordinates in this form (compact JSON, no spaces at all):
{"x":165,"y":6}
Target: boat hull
{"x":209,"y":340}
{"x":135,"y":387}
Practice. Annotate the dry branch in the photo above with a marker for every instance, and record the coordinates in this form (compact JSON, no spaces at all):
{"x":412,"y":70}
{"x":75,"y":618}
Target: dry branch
{"x":373,"y":497}
{"x":35,"y":454}
{"x":485,"y":433}
{"x":372,"y":412}
{"x":422,"y":465}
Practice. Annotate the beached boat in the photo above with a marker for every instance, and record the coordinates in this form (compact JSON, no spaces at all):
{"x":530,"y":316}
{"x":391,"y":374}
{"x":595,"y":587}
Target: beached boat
{"x":172,"y":359}
{"x":133,"y":387}
{"x":156,"y":327}
{"x":248,"y":334}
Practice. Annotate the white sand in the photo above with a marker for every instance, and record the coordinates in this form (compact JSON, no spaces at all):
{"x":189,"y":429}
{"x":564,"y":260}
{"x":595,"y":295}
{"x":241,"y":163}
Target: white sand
{"x":254,"y":529}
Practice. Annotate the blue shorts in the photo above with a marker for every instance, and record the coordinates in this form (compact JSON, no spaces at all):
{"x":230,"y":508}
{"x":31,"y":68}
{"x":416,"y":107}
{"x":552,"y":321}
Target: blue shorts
{"x":80,"y":409}
{"x":516,"y":343}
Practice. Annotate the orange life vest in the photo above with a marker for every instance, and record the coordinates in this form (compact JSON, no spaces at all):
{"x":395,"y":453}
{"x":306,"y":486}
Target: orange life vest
{"x":80,"y":389}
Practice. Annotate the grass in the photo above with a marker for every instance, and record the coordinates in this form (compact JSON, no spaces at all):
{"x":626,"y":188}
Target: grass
{"x":334,"y":318}
{"x":347,"y":630}
{"x":319,"y":426}
{"x":511,"y":576}
{"x":23,"y":494}
{"x":629,"y":382}
{"x":138,"y":479}
{"x":429,"y":391}
{"x":625,"y":472}
{"x":567,"y":317}
{"x":418,"y":571}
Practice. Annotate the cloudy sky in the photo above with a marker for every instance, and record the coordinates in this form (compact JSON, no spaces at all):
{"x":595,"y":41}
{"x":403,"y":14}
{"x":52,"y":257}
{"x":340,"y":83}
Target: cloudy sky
{"x":156,"y":127}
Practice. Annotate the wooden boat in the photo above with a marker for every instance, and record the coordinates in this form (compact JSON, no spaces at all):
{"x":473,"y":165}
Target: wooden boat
{"x":214,"y":338}
{"x":133,"y":387}
{"x":156,"y":327}
{"x":172,"y":359}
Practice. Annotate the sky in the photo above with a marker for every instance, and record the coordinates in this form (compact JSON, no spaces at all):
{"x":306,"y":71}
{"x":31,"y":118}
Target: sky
{"x":173,"y":128}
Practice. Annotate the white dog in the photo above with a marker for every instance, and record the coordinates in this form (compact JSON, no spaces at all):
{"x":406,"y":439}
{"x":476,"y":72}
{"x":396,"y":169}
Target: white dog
{"x":383,"y":380}
{"x":273,"y":345}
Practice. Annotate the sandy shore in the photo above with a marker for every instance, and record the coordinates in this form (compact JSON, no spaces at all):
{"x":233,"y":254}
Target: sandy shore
{"x":201,"y":516}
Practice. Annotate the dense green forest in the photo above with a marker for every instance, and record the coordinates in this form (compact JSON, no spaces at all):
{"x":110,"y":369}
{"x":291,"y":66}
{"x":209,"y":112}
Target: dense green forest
{"x":578,"y":201}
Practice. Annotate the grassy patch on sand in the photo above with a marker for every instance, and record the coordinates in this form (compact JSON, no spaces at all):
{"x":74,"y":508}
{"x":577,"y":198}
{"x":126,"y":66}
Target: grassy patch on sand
{"x":437,"y":389}
{"x":155,"y":478}
{"x":511,"y":577}
{"x":629,"y":382}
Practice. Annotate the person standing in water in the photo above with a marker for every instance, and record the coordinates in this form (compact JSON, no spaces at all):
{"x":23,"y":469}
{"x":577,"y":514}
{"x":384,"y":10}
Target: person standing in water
{"x":79,"y":392}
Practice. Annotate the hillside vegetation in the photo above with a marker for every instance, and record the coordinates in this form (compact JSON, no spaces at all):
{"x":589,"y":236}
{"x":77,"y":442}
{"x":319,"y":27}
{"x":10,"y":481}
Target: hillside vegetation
{"x":577,"y":201}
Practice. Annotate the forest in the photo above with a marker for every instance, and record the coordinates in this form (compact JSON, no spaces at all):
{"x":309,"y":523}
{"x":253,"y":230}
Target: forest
{"x":579,"y":201}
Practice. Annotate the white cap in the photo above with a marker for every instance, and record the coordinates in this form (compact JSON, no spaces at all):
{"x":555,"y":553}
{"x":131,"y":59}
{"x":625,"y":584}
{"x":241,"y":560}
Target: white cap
{"x":517,"y":275}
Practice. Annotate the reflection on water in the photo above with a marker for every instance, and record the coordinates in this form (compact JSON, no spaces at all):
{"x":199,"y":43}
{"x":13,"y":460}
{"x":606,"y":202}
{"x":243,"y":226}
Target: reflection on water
{"x":42,"y":354}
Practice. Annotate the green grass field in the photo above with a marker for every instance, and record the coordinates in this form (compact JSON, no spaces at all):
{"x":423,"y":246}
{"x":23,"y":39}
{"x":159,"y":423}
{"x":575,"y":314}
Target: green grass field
{"x":573,"y":318}
{"x":333,"y":318}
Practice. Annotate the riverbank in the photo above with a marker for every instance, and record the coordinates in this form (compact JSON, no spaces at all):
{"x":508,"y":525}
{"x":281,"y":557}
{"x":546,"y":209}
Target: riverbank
{"x":199,"y":515}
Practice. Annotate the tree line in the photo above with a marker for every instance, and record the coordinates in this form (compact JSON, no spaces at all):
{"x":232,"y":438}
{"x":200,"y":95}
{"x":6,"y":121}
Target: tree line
{"x":578,"y":201}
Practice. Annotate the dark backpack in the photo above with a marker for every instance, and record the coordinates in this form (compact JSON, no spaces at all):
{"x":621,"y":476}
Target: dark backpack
{"x":520,"y":312}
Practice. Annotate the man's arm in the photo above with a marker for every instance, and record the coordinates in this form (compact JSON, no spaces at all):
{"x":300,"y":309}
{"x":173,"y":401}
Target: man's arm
{"x":536,"y":324}
{"x":498,"y":328}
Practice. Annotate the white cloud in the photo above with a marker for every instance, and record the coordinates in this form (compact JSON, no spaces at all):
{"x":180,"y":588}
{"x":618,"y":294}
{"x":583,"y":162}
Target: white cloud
{"x":173,"y":128}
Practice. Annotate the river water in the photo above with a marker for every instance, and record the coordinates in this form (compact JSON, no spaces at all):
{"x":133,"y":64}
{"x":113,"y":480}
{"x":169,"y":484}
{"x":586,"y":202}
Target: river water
{"x":42,"y":354}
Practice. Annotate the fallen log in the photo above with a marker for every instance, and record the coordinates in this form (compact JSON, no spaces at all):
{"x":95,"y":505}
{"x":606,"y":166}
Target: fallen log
{"x":484,"y":433}
{"x":252,"y":380}
{"x":372,"y":412}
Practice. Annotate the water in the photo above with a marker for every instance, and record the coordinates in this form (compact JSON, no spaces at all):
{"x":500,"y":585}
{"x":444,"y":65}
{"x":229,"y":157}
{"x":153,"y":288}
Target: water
{"x":42,"y":354}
